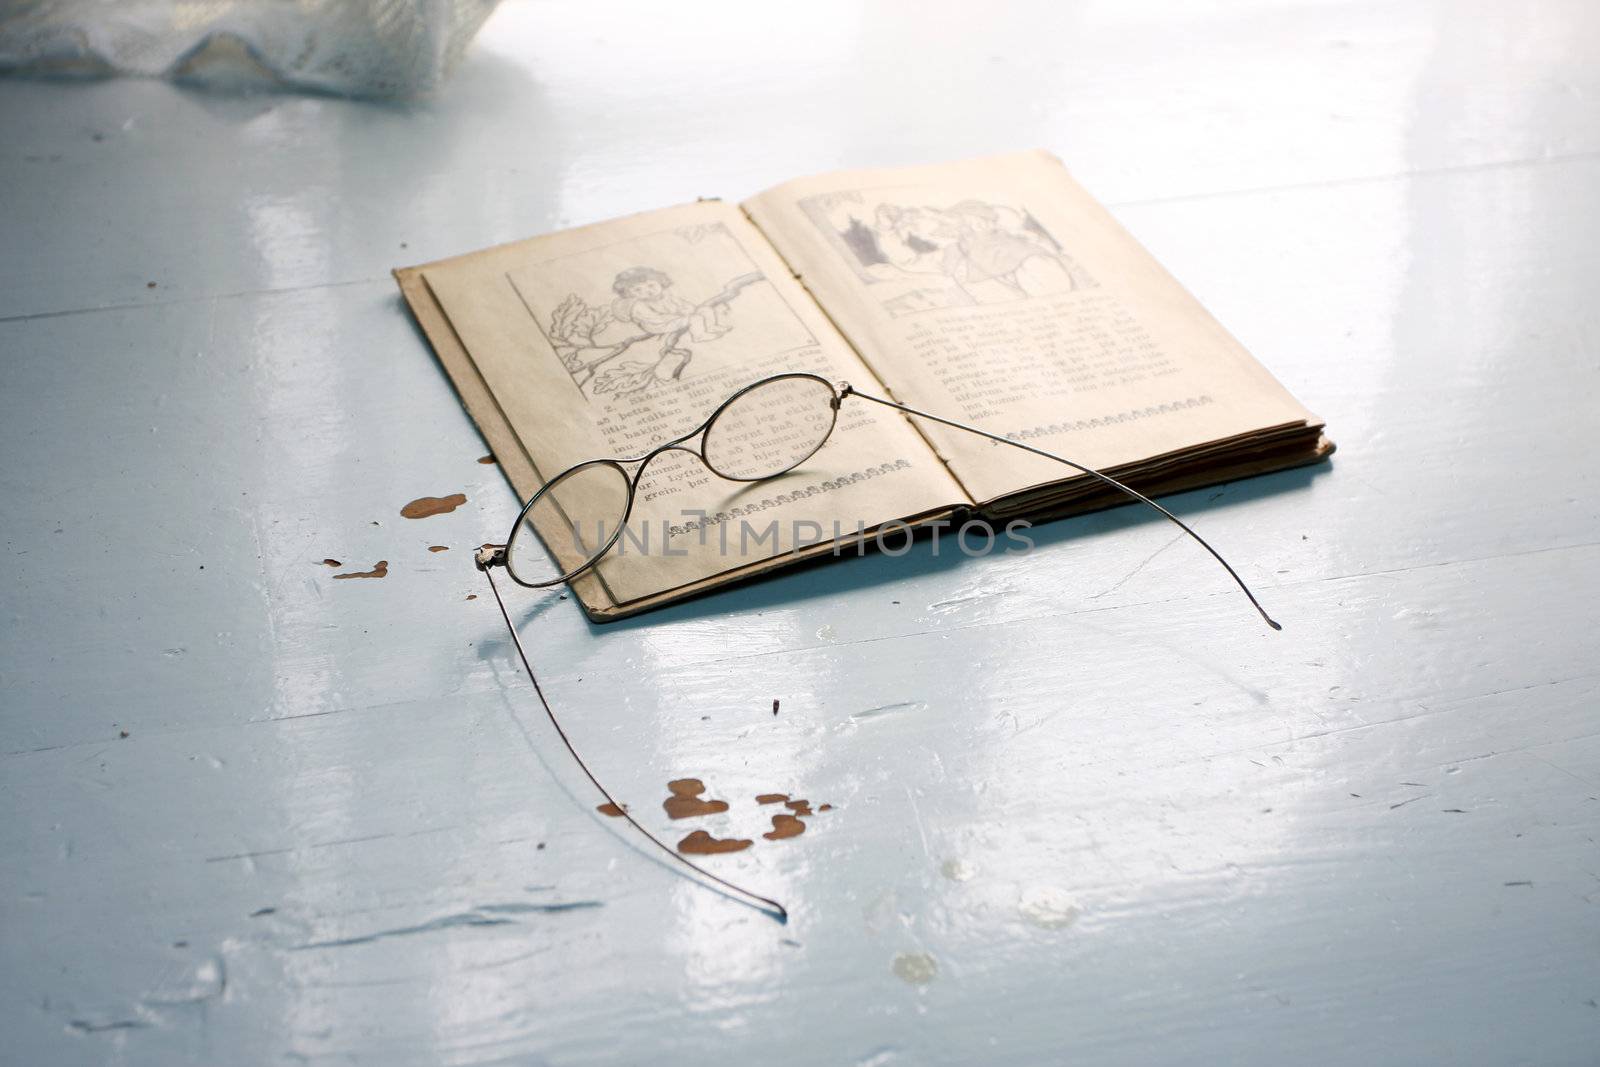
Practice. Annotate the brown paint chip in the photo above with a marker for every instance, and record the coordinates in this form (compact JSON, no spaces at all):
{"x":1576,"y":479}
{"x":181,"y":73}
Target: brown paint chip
{"x":424,"y":506}
{"x":771,"y":798}
{"x":331,"y":562}
{"x":703,"y":844}
{"x":610,"y":809}
{"x":379,"y":570}
{"x":438,"y":548}
{"x":685,"y":802}
{"x":472,"y":596}
{"x":799,"y":807}
{"x":825,"y":807}
{"x":486,"y":459}
{"x":785,"y":826}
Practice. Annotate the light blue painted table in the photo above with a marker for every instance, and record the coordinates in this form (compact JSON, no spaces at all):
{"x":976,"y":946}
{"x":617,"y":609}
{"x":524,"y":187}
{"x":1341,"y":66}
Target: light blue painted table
{"x":1086,"y":808}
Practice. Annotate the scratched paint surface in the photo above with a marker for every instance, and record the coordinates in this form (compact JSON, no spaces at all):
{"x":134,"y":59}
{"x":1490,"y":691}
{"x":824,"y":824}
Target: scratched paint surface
{"x":1082,"y":806}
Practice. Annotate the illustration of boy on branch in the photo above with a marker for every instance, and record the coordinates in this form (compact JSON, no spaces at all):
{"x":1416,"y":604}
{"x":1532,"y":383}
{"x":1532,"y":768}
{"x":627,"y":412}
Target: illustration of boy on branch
{"x":644,"y":305}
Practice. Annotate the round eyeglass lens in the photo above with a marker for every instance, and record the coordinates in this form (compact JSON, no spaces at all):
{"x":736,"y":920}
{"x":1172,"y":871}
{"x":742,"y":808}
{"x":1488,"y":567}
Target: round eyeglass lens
{"x":773,"y":428}
{"x":571,"y":523}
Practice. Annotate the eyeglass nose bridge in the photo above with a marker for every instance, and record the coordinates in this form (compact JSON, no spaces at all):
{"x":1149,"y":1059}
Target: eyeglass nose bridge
{"x":680,"y":445}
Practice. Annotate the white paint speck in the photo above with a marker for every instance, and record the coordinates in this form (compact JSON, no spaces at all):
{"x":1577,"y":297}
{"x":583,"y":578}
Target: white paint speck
{"x":1048,"y":907}
{"x":958,"y":870}
{"x":915,"y":968}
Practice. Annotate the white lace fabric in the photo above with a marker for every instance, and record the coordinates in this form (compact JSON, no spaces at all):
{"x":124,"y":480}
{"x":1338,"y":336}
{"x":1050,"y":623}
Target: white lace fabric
{"x":370,"y":48}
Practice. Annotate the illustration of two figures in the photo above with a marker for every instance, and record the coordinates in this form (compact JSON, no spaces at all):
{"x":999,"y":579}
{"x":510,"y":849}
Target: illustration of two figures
{"x":986,"y":253}
{"x":644,"y":311}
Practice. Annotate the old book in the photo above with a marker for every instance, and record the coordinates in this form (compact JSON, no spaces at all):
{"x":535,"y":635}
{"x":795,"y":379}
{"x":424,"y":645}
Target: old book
{"x":995,"y":292}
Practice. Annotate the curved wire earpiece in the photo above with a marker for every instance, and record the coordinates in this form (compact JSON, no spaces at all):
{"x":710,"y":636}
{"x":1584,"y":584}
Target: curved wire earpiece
{"x":486,"y":562}
{"x":846,"y":389}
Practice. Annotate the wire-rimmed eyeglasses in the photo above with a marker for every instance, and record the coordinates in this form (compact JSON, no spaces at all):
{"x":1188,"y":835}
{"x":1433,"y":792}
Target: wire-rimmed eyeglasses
{"x":761,"y":431}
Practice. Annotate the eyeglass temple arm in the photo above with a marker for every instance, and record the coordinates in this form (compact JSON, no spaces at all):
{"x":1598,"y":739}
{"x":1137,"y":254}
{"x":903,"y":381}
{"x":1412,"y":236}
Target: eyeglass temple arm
{"x":846,"y":389}
{"x":491,"y":556}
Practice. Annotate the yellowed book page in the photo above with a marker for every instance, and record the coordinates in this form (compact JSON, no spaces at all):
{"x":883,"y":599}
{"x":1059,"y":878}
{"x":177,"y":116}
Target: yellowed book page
{"x":998,"y":292}
{"x":609,"y":340}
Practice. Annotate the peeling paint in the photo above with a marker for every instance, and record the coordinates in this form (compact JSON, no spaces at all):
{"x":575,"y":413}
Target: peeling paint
{"x":425,"y":506}
{"x":685,"y":802}
{"x":784,"y":826}
{"x":703,"y":844}
{"x":379,"y":569}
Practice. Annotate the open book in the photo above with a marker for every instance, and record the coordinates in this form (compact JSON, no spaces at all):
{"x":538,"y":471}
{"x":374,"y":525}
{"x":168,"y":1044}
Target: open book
{"x":994,"y":292}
